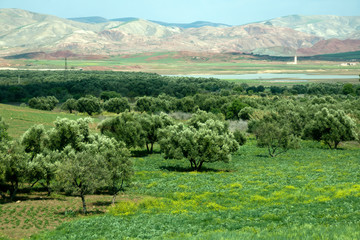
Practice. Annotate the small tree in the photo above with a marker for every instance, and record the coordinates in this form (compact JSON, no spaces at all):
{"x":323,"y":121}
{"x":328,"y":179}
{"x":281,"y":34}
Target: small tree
{"x":70,"y":105}
{"x":332,"y":127}
{"x":117,"y":105}
{"x":118,"y":166}
{"x":89,"y":104}
{"x":14,"y":162}
{"x":275,"y":134}
{"x":125,"y":128}
{"x":80,"y":173}
{"x":210,"y":142}
{"x":43,"y":167}
{"x":151,"y":125}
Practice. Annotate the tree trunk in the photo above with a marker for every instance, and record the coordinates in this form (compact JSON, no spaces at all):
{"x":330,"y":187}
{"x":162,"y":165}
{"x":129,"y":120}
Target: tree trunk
{"x":48,"y":187}
{"x":199,"y":167}
{"x":147,"y":148}
{"x":83,"y":203}
{"x":13,"y":190}
{"x":152,"y":148}
{"x":113,"y":199}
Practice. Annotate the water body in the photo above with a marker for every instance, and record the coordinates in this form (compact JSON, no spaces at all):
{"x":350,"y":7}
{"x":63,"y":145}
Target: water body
{"x":296,"y":77}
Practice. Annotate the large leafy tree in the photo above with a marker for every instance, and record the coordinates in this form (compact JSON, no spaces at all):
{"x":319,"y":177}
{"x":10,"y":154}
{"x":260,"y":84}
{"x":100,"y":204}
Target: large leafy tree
{"x":208,"y":142}
{"x":275,"y":133}
{"x":331,"y":127}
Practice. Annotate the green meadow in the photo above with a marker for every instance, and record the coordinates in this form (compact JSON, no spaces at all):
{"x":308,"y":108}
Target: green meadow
{"x":311,"y":193}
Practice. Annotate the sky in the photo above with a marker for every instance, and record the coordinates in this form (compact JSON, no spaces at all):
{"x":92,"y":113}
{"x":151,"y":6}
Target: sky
{"x":233,"y":12}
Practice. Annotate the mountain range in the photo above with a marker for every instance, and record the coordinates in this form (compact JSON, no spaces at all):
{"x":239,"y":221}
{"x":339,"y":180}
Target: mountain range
{"x":23,"y":31}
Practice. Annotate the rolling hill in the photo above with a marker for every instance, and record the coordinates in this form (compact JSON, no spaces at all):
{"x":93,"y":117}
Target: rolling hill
{"x":23,"y":32}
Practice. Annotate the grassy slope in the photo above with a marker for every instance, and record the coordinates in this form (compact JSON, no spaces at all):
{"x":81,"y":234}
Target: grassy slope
{"x":304,"y":194}
{"x":20,"y":119}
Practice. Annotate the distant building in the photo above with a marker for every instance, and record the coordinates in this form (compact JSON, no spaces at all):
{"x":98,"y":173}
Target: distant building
{"x":294,"y":62}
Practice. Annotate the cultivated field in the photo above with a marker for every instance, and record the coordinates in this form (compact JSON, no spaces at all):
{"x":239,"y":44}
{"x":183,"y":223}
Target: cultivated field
{"x":175,"y":63}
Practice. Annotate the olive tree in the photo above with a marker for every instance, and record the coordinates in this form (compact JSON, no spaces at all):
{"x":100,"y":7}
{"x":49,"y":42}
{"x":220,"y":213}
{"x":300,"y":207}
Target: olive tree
{"x":151,"y":125}
{"x":68,"y":132}
{"x":4,"y":136}
{"x":125,"y":127}
{"x":70,"y":105}
{"x":33,"y":140}
{"x":43,"y":103}
{"x":209,"y":142}
{"x":118,"y":165}
{"x":43,"y":167}
{"x":14,"y":164}
{"x":102,"y":162}
{"x":331,"y":127}
{"x":117,"y":105}
{"x":89,"y":104}
{"x":274,"y":133}
{"x":80,"y":173}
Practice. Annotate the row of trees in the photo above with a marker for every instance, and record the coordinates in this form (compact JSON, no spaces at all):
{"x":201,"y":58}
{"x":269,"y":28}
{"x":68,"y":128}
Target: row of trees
{"x":20,"y":86}
{"x":282,"y":128}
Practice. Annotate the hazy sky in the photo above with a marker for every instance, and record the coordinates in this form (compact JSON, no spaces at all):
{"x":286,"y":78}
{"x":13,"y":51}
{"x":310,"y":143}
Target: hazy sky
{"x":234,"y":12}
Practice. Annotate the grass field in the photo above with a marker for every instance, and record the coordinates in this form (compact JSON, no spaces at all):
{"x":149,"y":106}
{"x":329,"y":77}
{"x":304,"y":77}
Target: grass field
{"x":181,"y":63}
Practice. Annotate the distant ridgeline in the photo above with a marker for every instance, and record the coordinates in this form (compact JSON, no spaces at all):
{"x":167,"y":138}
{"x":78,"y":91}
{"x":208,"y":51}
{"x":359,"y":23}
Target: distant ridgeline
{"x":20,"y":86}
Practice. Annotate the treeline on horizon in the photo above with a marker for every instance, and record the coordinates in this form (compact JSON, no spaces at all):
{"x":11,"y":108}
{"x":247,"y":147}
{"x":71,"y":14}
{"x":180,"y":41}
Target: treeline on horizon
{"x":20,"y":86}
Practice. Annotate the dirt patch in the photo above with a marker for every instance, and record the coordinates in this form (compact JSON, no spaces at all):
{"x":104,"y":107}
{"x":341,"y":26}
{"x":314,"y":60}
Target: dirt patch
{"x":35,"y":212}
{"x":155,"y":58}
